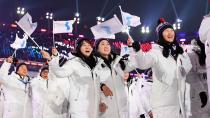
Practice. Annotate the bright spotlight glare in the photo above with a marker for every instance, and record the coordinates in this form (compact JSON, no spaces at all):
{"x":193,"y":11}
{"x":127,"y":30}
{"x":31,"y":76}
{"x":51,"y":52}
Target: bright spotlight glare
{"x":77,"y":14}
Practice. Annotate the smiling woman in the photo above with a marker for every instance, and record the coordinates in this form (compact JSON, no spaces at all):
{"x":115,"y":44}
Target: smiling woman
{"x":84,"y":51}
{"x":83,"y":70}
{"x":170,"y":92}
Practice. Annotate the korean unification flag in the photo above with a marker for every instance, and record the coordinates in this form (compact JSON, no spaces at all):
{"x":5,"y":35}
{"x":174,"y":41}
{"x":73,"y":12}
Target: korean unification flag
{"x":19,"y":43}
{"x":204,"y":28}
{"x":63,"y":26}
{"x":26,"y":24}
{"x":130,"y":20}
{"x":107,"y":29}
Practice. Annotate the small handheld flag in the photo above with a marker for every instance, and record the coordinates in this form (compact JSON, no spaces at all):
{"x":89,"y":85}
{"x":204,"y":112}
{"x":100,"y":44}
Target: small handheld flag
{"x":129,"y":20}
{"x":63,"y":26}
{"x":25,"y":23}
{"x":107,"y":29}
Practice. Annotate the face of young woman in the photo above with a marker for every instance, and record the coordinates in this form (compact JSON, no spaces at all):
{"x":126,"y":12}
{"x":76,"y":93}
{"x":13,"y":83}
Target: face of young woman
{"x":44,"y":74}
{"x":86,"y":49}
{"x":23,"y":70}
{"x":104,"y":48}
{"x":169,"y":35}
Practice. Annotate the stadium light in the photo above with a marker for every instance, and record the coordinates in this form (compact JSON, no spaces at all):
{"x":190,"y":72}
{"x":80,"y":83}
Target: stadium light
{"x":49,"y":15}
{"x":20,"y":10}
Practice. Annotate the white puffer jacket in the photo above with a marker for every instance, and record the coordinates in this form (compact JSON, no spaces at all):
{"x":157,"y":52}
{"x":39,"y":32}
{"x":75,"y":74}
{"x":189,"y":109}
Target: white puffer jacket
{"x":169,"y":90}
{"x":85,"y":98}
{"x":17,"y":94}
{"x":114,"y":79}
{"x":39,"y":95}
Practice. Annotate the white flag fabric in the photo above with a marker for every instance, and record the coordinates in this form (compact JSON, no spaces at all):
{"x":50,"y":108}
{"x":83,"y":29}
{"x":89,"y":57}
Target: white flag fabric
{"x":204,"y":28}
{"x":26,"y":24}
{"x":63,"y":26}
{"x":110,"y":36}
{"x":19,"y":43}
{"x":124,"y":50}
{"x":130,"y":20}
{"x":107,"y":29}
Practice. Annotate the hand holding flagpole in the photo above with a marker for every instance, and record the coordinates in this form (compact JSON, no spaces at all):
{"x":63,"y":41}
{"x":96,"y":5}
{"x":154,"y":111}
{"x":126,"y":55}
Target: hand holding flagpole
{"x":129,"y":36}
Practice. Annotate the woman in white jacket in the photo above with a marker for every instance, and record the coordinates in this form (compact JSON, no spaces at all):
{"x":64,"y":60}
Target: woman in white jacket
{"x":169,"y":65}
{"x":112,"y":82}
{"x":17,"y":91}
{"x":83,"y":70}
{"x":59,"y":95}
{"x":39,"y":90}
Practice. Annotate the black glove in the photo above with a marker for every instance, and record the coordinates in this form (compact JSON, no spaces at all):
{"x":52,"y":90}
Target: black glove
{"x":142,"y":116}
{"x":122,"y":64}
{"x":136,"y":46}
{"x":204,"y":98}
{"x":125,"y":57}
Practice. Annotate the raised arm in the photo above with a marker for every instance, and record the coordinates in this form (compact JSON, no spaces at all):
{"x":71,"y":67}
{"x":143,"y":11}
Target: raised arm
{"x":54,"y":67}
{"x":5,"y":69}
{"x":141,"y":59}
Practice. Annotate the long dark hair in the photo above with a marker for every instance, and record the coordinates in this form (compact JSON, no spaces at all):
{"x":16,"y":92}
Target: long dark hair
{"x":201,"y":54}
{"x":91,"y":60}
{"x":112,"y":56}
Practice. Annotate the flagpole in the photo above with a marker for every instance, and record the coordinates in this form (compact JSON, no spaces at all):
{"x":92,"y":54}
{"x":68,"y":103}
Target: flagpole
{"x":123,"y":18}
{"x":129,"y":36}
{"x":33,"y":40}
{"x":137,"y":71}
{"x":53,"y":40}
{"x":14,"y":52}
{"x":53,"y":36}
{"x":121,"y":13}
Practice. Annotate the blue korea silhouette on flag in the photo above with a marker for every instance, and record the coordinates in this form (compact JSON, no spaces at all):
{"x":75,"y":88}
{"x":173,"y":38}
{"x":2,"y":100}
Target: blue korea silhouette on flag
{"x":107,"y":29}
{"x":130,"y":20}
{"x":63,"y":26}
